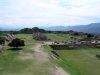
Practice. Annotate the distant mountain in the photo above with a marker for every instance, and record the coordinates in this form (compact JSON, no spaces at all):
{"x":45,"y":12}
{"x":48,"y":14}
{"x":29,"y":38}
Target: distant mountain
{"x":9,"y":29}
{"x":90,"y":28}
{"x":1,"y":29}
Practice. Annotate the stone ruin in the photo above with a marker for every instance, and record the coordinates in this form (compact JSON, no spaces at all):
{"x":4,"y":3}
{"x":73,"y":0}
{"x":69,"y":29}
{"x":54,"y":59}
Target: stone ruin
{"x":39,"y":36}
{"x":61,"y":47}
{"x":97,"y":55}
{"x":77,"y":43}
{"x":96,"y":37}
{"x":9,"y":37}
{"x":1,"y":47}
{"x":71,"y":32}
{"x":55,"y":54}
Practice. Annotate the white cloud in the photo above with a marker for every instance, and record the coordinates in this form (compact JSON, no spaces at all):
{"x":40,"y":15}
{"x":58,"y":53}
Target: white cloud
{"x":52,"y":12}
{"x":9,"y":23}
{"x":0,"y":21}
{"x":54,"y":1}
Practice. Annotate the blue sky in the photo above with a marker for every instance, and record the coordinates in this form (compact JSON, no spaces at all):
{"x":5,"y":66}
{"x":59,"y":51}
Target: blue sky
{"x":30,"y":13}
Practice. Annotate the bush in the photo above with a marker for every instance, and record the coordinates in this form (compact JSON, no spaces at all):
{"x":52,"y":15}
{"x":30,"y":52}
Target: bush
{"x":16,"y":43}
{"x":89,"y":35}
{"x":2,"y":40}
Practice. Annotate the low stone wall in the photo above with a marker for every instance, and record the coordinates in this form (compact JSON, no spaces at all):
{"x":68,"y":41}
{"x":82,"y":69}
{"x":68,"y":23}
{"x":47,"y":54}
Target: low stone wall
{"x":59,"y":47}
{"x":55,"y":54}
{"x":1,"y":48}
{"x":74,"y":46}
{"x":85,"y":45}
{"x":98,"y":56}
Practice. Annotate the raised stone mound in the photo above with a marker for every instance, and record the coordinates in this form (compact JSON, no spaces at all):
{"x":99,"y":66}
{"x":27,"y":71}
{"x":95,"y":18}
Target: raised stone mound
{"x":1,"y":47}
{"x":55,"y":54}
{"x":85,"y":39}
{"x":9,"y":37}
{"x":62,"y":47}
{"x":96,"y":37}
{"x":74,"y":46}
{"x":39,"y":36}
{"x":98,"y":45}
{"x":97,"y":55}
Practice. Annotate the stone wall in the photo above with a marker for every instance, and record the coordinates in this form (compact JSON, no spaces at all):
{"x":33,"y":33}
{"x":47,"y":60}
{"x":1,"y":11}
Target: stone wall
{"x":74,"y":46}
{"x":55,"y":54}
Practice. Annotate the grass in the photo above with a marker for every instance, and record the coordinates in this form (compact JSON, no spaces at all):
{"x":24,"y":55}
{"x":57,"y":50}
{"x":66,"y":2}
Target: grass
{"x":12,"y":64}
{"x":62,"y":63}
{"x":9,"y":62}
{"x":83,"y":60}
{"x":75,"y":62}
{"x":62,"y":37}
{"x":80,"y":61}
{"x":55,"y":37}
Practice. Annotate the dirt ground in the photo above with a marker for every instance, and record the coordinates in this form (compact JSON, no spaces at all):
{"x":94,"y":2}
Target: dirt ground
{"x":39,"y":53}
{"x":60,"y":71}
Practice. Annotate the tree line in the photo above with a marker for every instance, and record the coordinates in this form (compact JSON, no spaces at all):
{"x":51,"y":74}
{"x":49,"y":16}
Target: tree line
{"x":36,"y":29}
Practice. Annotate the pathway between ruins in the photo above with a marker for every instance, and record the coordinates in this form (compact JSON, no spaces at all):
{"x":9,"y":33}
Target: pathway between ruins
{"x":43,"y":57}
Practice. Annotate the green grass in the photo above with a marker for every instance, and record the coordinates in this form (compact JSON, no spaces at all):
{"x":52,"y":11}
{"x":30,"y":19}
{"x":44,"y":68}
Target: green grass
{"x":69,"y":36}
{"x":62,"y":63}
{"x":9,"y":62}
{"x":80,"y":61}
{"x":55,"y":37}
{"x":22,"y":35}
{"x":12,"y":64}
{"x":62,"y":37}
{"x":83,"y":60}
{"x":75,"y":62}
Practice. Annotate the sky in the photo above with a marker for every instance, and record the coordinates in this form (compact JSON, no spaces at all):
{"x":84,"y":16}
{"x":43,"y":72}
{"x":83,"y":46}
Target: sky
{"x":46,"y":13}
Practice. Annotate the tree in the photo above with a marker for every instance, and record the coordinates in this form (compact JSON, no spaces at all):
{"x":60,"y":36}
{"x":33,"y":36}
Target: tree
{"x":76,"y":34}
{"x":2,"y":40}
{"x":0,"y":32}
{"x":89,"y":35}
{"x":36,"y":29}
{"x":25,"y":31}
{"x":13,"y":32}
{"x":16,"y":43}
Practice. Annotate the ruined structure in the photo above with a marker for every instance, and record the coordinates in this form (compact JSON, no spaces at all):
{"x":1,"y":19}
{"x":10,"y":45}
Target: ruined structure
{"x":1,"y":47}
{"x":96,"y":37}
{"x":55,"y":54}
{"x":77,"y":43}
{"x":71,"y":32}
{"x":39,"y":36}
{"x":97,"y":55}
{"x":9,"y":37}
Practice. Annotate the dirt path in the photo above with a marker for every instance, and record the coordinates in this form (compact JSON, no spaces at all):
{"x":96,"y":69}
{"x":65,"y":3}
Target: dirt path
{"x":42,"y":57}
{"x":60,"y":71}
{"x":38,"y":48}
{"x":48,"y":43}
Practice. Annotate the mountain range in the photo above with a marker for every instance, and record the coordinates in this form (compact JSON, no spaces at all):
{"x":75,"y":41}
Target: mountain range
{"x":90,"y":28}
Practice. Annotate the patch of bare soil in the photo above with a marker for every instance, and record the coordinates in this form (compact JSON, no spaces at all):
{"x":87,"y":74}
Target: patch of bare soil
{"x":38,"y":48}
{"x":40,"y":55}
{"x":60,"y":71}
{"x":26,"y":56}
{"x":49,"y":43}
{"x":11,"y":74}
{"x":17,"y":73}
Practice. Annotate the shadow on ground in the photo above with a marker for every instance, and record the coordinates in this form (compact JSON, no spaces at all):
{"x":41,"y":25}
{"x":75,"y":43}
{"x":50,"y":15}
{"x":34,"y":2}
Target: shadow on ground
{"x":15,"y":49}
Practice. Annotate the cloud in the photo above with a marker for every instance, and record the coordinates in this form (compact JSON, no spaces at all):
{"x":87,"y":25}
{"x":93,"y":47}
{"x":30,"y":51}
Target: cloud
{"x":53,"y":12}
{"x":0,"y":21}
